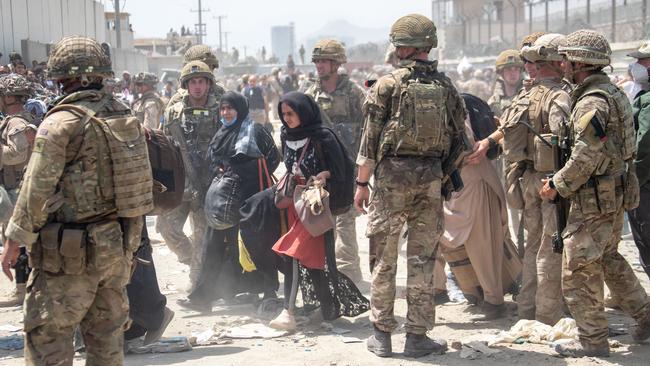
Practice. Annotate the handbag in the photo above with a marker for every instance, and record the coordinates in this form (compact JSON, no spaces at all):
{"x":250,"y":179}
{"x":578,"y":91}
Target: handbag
{"x":311,"y":202}
{"x":285,"y":188}
{"x":222,"y":202}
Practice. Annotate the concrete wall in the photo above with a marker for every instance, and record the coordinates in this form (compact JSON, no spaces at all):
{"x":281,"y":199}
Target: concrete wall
{"x":47,"y":21}
{"x":32,"y":26}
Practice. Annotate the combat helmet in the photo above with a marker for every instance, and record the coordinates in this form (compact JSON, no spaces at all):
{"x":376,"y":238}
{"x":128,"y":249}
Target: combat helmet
{"x":195,"y":69}
{"x":414,"y":30}
{"x":78,"y":56}
{"x":545,"y":48}
{"x":528,"y":40}
{"x":508,"y":58}
{"x":15,"y":85}
{"x":203,"y":53}
{"x":15,"y":57}
{"x":147,"y":78}
{"x":588,"y":47}
{"x":329,"y":49}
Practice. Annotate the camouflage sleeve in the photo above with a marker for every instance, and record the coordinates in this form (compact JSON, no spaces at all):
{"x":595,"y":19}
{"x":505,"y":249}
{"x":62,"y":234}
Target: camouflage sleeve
{"x":42,"y":176}
{"x":587,"y":152}
{"x":151,"y":114}
{"x":16,"y":151}
{"x":376,"y":110}
{"x":559,"y":112}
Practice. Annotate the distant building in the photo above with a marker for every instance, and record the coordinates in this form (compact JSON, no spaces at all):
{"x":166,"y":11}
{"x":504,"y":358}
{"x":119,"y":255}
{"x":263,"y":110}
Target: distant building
{"x":283,"y":42}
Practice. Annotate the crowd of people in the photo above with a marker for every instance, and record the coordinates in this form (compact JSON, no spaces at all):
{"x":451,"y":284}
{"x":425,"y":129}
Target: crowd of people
{"x":547,"y":145}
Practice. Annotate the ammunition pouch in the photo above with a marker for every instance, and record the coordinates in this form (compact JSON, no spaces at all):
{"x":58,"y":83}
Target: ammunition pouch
{"x":70,"y":248}
{"x":601,"y":195}
{"x":60,"y":249}
{"x":543,"y":158}
{"x":632,"y":190}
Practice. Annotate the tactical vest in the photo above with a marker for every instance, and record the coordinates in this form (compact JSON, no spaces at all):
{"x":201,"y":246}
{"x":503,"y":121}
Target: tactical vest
{"x":111,"y":172}
{"x":519,"y":143}
{"x":12,"y":175}
{"x":419,"y":120}
{"x":199,"y":126}
{"x":620,"y":147}
{"x":338,"y":108}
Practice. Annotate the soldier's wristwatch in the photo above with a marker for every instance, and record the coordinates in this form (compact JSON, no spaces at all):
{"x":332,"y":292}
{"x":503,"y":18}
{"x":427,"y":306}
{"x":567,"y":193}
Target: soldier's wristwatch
{"x":361,"y":184}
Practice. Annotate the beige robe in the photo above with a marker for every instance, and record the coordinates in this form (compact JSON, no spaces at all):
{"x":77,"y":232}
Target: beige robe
{"x":476,"y":217}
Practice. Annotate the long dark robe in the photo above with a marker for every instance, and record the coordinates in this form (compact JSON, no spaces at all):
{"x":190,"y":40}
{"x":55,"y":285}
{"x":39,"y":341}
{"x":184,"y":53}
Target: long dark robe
{"x":221,"y":274}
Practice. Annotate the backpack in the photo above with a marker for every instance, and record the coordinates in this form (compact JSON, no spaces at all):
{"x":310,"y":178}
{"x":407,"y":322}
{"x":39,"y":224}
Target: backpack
{"x":168,"y":172}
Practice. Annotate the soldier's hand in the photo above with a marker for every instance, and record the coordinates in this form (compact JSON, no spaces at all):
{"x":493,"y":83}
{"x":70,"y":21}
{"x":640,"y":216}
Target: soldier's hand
{"x":480,"y":150}
{"x":10,"y":253}
{"x":547,"y":192}
{"x":361,"y":198}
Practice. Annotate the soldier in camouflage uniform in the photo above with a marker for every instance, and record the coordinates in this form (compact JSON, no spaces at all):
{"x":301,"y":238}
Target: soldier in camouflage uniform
{"x":16,"y":138}
{"x":79,"y":213}
{"x":406,"y":145}
{"x":544,"y":105}
{"x":600,"y":182}
{"x":148,"y":108}
{"x":204,"y":54}
{"x":509,"y":67}
{"x":191,"y":122}
{"x":341,"y":100}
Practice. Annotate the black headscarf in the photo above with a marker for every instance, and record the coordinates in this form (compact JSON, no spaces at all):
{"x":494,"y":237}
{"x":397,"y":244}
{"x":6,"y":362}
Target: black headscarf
{"x":311,"y":121}
{"x":222,"y":146}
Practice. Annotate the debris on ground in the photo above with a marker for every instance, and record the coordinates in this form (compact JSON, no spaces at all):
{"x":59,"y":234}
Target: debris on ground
{"x":165,"y":345}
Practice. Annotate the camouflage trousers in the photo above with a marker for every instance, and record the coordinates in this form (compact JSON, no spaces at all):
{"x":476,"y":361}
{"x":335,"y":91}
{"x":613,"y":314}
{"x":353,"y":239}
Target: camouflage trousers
{"x":540,"y":296}
{"x":188,"y":250}
{"x":591,"y":257}
{"x":346,"y":247}
{"x":404,"y":193}
{"x":95,"y":301}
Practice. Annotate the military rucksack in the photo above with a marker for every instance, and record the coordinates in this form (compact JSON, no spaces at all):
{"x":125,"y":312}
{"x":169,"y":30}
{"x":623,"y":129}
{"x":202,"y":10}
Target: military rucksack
{"x":168,"y":172}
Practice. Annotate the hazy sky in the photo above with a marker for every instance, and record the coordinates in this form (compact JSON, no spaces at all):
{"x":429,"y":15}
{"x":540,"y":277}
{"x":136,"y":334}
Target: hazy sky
{"x":249,"y":21}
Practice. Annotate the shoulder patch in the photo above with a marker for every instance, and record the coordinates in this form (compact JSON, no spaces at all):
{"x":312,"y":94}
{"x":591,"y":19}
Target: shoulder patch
{"x":584,"y":121}
{"x":39,"y":144}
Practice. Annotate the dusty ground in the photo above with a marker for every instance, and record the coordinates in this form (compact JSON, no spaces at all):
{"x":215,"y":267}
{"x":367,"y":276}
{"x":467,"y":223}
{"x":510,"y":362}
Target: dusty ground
{"x":316,"y":345}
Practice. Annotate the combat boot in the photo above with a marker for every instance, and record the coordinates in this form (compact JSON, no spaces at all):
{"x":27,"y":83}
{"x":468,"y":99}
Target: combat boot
{"x":642,"y":330}
{"x":379,"y":343}
{"x":579,"y":349}
{"x":490,"y":312}
{"x":15,"y":298}
{"x":418,"y":345}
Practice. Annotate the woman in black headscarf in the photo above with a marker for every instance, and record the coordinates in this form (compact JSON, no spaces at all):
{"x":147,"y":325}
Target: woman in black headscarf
{"x":311,"y":150}
{"x":243,"y":152}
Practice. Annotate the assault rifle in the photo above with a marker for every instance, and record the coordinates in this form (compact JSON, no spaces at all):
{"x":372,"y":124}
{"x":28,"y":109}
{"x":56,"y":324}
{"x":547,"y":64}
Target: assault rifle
{"x":561,"y":153}
{"x":197,"y":183}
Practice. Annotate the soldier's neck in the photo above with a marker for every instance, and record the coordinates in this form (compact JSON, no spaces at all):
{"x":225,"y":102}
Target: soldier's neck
{"x":329,"y":85}
{"x":197,"y":103}
{"x":510,"y":90}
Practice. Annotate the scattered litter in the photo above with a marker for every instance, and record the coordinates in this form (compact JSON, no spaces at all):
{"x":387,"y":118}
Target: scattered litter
{"x":351,"y":340}
{"x":326,"y":326}
{"x":204,"y":337}
{"x":248,"y":331}
{"x":457,"y":345}
{"x":615,"y":343}
{"x":165,"y":345}
{"x":476,"y":349}
{"x":536,"y":332}
{"x":10,"y":328}
{"x":12,"y":342}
